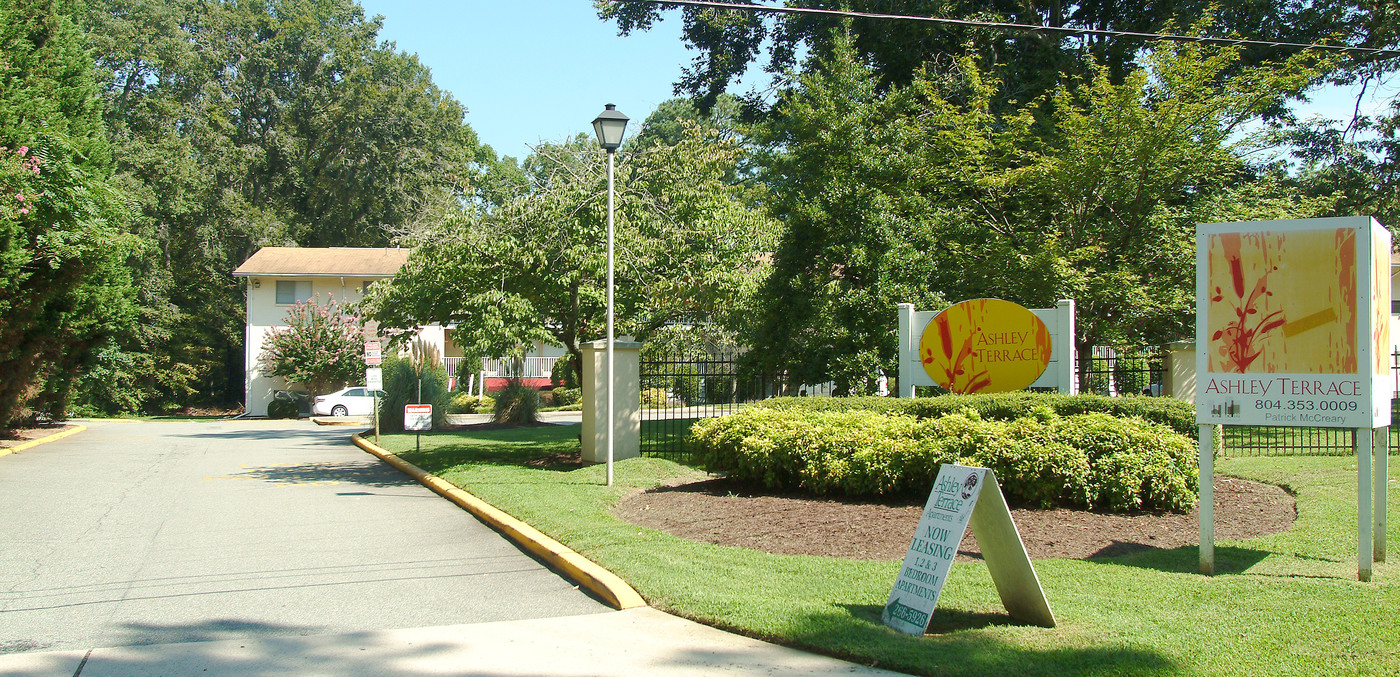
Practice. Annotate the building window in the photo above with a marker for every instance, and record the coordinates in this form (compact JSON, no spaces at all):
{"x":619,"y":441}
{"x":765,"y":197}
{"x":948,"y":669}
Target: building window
{"x":364,"y":286}
{"x":292,"y":292}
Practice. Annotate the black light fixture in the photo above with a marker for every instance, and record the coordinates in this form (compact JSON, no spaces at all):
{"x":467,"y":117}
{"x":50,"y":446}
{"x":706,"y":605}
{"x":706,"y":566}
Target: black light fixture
{"x":609,"y":126}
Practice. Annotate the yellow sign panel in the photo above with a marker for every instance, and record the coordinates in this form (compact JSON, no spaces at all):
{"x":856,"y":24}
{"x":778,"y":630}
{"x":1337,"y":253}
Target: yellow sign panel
{"x":1283,"y":302}
{"x":985,"y":346}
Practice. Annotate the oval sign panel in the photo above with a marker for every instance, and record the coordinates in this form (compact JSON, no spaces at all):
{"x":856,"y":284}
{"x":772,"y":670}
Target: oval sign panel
{"x":985,"y":346}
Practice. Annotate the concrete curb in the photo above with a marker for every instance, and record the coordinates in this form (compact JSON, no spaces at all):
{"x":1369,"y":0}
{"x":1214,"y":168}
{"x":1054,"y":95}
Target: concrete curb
{"x":42,"y":440}
{"x":331,"y":420}
{"x":613,"y":590}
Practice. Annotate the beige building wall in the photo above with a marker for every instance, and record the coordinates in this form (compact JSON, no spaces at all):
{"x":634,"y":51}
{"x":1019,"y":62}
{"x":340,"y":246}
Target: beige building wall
{"x":265,"y":314}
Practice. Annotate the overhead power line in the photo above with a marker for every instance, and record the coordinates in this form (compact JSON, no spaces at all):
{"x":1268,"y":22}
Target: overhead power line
{"x":1060,"y":30}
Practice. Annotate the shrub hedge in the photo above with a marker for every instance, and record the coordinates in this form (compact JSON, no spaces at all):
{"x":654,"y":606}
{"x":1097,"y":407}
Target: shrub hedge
{"x":1042,"y":459}
{"x":1178,"y":415}
{"x":463,"y":403}
{"x":283,"y":409}
{"x":564,"y":397}
{"x":653,"y":398}
{"x":401,"y":387}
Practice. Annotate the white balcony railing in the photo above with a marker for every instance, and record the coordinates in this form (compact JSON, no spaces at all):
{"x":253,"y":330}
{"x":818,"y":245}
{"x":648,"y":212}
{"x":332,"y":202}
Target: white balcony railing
{"x":529,"y":367}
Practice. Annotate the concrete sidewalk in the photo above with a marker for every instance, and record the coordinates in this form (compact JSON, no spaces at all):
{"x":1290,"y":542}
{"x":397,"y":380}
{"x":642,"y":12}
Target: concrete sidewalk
{"x":640,"y":641}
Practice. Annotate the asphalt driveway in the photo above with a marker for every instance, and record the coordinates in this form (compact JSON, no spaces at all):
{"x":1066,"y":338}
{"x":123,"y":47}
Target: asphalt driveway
{"x":150,"y":533}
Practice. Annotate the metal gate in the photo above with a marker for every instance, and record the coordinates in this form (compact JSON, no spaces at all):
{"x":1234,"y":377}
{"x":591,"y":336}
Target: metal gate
{"x":678,"y":390}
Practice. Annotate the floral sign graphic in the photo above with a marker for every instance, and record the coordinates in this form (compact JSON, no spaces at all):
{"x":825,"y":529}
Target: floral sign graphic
{"x":985,"y":346}
{"x":1283,"y":302}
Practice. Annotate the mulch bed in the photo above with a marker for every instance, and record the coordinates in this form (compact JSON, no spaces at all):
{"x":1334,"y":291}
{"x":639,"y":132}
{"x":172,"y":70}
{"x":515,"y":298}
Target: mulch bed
{"x":716,"y":511}
{"x":10,"y":437}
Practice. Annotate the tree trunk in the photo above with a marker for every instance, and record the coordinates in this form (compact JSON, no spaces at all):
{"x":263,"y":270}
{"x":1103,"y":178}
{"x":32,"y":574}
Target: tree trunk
{"x":1084,"y":359}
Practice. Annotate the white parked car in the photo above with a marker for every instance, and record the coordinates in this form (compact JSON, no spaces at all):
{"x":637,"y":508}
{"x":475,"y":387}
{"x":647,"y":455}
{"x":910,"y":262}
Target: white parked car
{"x":352,"y":401}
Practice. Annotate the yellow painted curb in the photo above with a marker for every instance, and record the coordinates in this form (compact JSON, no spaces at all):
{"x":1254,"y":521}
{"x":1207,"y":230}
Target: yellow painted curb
{"x":42,"y":440}
{"x":602,"y":582}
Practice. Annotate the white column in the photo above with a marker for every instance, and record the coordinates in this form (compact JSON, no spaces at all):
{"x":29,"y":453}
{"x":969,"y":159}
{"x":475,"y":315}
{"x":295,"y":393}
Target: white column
{"x":1064,"y":347}
{"x":908,"y":350}
{"x":627,"y":433}
{"x":1181,"y":371}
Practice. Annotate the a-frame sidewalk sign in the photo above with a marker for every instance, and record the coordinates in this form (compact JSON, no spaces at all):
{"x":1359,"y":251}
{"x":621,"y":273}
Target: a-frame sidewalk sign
{"x":964,"y":496}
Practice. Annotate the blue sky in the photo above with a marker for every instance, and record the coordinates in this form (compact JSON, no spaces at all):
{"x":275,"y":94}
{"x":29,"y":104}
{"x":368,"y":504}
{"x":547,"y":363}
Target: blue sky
{"x":532,"y":70}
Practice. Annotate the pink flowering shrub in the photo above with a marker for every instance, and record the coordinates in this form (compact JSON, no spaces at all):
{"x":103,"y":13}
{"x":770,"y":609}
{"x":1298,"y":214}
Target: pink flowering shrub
{"x":18,"y":169}
{"x":322,"y":346}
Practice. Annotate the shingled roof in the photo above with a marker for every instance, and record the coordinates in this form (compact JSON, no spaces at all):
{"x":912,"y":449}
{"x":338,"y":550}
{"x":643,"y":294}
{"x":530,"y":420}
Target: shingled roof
{"x":326,"y":262}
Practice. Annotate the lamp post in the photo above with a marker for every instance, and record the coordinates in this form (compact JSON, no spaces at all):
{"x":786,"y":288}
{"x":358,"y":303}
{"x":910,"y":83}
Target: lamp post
{"x":608,"y":126}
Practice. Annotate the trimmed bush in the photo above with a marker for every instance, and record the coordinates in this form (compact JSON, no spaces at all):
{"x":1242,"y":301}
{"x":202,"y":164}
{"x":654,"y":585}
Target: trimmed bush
{"x":280,"y":408}
{"x":564,"y":397}
{"x":1178,"y":415}
{"x":653,"y":398}
{"x":1041,"y":460}
{"x":719,"y":389}
{"x":685,"y":384}
{"x":1131,"y":375}
{"x":463,"y":403}
{"x":562,"y":374}
{"x":466,"y":368}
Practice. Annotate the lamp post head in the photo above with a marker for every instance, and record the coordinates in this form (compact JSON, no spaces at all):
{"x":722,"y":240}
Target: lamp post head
{"x":609,"y":126}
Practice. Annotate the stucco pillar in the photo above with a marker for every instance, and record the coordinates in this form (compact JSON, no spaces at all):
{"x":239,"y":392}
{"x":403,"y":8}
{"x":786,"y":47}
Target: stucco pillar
{"x":627,"y":433}
{"x":1181,"y":370}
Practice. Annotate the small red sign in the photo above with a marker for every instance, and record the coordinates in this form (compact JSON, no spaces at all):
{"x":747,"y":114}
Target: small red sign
{"x":417,"y":417}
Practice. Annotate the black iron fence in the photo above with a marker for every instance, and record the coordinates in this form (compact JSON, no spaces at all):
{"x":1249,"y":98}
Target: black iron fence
{"x":677,"y":391}
{"x":1127,"y":372}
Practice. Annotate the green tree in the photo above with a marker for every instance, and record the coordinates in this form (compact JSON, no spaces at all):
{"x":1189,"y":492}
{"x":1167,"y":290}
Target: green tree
{"x":1125,"y":172}
{"x":931,"y":191}
{"x":858,"y":229}
{"x":1358,"y":166}
{"x":321,"y":346}
{"x":729,"y":42}
{"x":63,"y":281}
{"x":238,"y":125}
{"x":534,"y":268}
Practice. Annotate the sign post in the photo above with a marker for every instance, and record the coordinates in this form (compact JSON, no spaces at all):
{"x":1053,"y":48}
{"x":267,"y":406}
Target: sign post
{"x":374,"y":382}
{"x":418,"y":417}
{"x":1293,"y":329}
{"x":953,"y":505}
{"x":374,"y":377}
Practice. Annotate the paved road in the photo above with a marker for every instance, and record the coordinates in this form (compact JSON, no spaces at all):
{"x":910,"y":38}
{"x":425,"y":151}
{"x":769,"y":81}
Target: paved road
{"x":150,"y":533}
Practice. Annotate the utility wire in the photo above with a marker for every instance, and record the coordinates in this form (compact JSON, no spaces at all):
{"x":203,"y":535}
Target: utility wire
{"x":1062,"y":30}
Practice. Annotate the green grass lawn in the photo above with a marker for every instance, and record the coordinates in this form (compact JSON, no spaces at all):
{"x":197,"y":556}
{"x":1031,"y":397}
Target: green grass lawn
{"x":1283,"y":604}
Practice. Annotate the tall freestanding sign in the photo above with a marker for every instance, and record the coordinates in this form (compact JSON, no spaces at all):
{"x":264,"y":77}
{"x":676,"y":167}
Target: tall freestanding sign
{"x":1293,"y":329}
